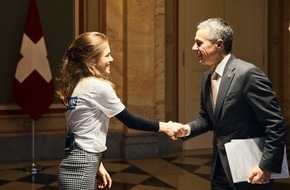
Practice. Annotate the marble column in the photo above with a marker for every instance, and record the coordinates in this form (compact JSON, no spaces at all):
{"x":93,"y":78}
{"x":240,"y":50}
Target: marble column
{"x":138,"y":29}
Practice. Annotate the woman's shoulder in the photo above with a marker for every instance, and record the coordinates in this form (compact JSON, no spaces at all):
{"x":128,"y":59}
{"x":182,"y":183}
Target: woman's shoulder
{"x":95,"y":83}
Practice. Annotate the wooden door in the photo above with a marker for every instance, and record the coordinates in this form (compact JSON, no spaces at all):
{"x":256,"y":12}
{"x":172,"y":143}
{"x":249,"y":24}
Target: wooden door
{"x":249,"y":21}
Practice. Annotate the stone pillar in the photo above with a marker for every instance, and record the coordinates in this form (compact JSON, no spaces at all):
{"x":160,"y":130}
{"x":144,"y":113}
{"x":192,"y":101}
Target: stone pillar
{"x":136,"y":31}
{"x":144,"y":74}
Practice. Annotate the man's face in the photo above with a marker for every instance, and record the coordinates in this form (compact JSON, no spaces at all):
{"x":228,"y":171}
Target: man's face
{"x":208,"y":53}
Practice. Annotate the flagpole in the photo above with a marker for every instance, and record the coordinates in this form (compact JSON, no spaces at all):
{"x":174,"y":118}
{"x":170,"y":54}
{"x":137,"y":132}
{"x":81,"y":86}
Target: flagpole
{"x":29,"y":77}
{"x":33,"y":168}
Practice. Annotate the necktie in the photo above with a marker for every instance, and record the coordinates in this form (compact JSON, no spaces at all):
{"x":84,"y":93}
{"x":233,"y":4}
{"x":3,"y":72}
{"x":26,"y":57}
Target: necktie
{"x":214,"y":87}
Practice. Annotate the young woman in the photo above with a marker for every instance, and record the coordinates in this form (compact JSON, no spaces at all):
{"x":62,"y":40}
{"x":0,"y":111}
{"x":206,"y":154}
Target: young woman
{"x":90,"y":101}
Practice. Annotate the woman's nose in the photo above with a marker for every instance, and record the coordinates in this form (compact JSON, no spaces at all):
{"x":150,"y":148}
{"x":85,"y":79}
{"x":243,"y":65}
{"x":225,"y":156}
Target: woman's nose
{"x":111,"y":58}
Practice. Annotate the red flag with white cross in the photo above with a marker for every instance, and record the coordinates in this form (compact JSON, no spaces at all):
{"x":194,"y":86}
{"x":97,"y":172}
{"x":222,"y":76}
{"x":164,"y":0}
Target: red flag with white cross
{"x":33,"y":87}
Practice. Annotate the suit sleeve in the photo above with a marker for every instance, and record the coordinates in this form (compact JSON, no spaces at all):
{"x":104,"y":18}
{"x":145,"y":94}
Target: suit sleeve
{"x":202,"y":124}
{"x":261,"y":97}
{"x":198,"y":127}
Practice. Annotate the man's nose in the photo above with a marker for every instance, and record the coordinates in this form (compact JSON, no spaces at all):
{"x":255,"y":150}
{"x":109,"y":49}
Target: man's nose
{"x":194,"y":47}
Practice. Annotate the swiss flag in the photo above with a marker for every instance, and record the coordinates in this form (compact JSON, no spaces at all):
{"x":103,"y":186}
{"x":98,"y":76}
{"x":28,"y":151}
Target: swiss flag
{"x":33,"y":86}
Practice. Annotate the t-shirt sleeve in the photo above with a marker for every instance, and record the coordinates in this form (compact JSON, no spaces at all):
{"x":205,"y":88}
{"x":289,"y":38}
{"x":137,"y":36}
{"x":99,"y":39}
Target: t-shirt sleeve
{"x":108,"y":101}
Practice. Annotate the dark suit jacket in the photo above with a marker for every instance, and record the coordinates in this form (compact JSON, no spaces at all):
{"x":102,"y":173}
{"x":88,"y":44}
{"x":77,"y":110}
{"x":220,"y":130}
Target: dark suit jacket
{"x":246,"y":107}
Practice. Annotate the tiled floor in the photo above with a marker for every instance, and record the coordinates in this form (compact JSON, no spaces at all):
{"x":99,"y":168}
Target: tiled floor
{"x":187,"y":170}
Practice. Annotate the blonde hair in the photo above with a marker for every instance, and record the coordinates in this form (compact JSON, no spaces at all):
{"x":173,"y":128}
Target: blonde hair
{"x":79,"y":62}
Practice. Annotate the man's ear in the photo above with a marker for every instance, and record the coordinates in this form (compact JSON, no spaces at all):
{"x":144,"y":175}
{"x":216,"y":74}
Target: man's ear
{"x":220,"y":43}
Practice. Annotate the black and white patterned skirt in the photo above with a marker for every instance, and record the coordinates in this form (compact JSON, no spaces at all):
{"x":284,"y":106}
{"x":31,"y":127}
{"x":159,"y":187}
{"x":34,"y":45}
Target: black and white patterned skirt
{"x":78,"y":170}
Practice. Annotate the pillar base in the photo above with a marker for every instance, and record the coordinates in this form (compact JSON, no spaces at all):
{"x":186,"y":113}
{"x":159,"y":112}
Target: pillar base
{"x":138,"y":146}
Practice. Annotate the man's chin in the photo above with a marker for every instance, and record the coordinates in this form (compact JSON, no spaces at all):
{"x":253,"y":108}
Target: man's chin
{"x":203,"y":63}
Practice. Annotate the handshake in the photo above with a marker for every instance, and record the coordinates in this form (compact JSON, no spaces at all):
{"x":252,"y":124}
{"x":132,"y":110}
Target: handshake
{"x":173,"y":129}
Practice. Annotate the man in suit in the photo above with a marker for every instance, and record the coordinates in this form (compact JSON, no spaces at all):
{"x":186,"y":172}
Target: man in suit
{"x":243,"y":106}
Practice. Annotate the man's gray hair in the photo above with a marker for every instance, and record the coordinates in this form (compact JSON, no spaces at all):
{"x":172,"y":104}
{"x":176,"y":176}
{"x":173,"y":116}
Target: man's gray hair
{"x":218,"y":29}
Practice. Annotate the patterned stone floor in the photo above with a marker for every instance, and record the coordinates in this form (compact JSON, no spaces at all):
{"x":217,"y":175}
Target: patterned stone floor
{"x":187,"y":170}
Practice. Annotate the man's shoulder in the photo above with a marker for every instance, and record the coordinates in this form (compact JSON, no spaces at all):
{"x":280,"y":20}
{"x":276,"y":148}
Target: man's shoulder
{"x":242,"y":64}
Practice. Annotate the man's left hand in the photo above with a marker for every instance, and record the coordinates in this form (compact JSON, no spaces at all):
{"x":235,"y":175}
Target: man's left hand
{"x":259,"y":176}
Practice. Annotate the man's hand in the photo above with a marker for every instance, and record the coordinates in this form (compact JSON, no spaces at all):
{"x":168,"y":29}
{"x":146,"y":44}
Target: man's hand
{"x":259,"y":176}
{"x":173,"y":129}
{"x":180,"y":130}
{"x":104,"y":178}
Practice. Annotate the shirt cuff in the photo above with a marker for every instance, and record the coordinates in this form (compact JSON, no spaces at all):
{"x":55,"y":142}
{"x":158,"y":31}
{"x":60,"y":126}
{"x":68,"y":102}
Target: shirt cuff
{"x":188,"y":130}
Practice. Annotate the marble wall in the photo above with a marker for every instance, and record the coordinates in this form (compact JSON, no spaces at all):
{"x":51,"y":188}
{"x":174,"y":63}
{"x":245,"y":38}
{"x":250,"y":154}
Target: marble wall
{"x":136,"y":32}
{"x":136,"y":29}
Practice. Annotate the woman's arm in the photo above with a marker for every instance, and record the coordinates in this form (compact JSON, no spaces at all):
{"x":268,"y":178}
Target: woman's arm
{"x":104,"y":178}
{"x":139,"y":123}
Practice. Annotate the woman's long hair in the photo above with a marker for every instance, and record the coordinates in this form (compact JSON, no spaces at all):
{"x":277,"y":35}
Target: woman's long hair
{"x":79,"y":61}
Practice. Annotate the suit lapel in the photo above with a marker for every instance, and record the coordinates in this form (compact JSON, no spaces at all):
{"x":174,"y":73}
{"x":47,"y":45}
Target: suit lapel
{"x":226,"y":80}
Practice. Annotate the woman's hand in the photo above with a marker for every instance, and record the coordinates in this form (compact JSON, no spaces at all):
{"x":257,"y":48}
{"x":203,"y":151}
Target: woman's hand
{"x":104,"y":178}
{"x":166,"y":128}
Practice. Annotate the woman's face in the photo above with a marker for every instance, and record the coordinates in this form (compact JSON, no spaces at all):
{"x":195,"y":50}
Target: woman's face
{"x":103,"y":66}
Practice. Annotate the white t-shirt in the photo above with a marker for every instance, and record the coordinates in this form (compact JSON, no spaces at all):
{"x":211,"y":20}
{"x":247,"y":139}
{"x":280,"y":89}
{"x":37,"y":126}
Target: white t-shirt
{"x":92,"y":104}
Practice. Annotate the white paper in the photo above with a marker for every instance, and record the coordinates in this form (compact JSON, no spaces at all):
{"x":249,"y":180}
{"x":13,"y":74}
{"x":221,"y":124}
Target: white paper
{"x":244,"y":154}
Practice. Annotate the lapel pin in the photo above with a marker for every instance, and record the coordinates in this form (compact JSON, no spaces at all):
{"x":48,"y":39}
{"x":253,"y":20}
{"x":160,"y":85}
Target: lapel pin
{"x":229,"y":76}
